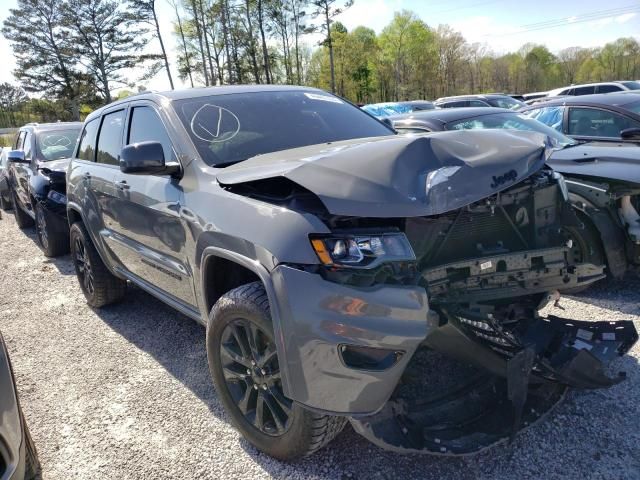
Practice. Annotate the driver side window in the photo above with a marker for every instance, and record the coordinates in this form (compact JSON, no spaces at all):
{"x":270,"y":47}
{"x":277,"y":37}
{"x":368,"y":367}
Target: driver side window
{"x":146,"y":126}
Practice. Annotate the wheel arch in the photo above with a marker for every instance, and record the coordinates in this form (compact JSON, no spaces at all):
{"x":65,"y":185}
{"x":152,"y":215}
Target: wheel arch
{"x":215,"y":256}
{"x":611,"y":237}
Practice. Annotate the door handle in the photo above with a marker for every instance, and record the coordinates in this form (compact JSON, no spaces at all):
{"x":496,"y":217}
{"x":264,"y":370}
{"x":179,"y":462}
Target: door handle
{"x":123,"y":185}
{"x":87,"y":176}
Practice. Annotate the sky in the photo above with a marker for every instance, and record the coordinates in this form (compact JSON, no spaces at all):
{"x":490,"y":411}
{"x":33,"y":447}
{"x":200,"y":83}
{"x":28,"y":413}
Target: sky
{"x":502,"y":25}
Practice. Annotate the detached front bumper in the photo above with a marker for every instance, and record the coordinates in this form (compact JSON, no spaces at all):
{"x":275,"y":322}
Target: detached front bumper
{"x":345,"y":348}
{"x":517,"y":378}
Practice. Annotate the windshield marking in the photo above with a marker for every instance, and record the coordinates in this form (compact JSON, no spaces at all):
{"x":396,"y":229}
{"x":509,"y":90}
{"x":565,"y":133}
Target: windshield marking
{"x":215,"y":137}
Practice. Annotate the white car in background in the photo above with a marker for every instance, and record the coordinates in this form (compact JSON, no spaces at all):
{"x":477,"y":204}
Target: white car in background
{"x":591,"y":88}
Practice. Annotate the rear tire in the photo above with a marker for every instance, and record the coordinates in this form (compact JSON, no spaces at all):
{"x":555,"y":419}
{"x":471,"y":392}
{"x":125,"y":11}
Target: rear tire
{"x":240,"y":323}
{"x":23,"y":220}
{"x":587,"y":247}
{"x":99,"y":285}
{"x":52,"y":243}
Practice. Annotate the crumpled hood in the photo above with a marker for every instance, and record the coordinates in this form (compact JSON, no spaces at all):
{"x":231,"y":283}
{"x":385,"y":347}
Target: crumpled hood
{"x":402,"y":176}
{"x":602,"y":160}
{"x":56,"y":165}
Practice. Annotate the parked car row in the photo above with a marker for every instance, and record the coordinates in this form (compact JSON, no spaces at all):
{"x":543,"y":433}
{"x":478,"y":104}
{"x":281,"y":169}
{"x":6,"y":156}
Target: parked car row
{"x":327,"y":257}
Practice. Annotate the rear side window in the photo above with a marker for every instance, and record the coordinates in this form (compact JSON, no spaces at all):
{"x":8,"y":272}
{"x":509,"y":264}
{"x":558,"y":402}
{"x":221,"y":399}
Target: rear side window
{"x":87,"y":148}
{"x":584,"y":90}
{"x":478,"y":103}
{"x":608,"y":88}
{"x":550,"y":116}
{"x":110,"y":138}
{"x":593,"y":122}
{"x":146,"y":126}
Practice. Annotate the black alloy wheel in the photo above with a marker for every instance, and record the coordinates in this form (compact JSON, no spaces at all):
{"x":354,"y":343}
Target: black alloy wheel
{"x":41,"y":227}
{"x":83,"y":266}
{"x":250,"y":365}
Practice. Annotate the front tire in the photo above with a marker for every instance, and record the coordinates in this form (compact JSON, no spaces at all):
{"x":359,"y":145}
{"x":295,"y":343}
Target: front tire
{"x":5,"y":204}
{"x":243,"y":362}
{"x":32,"y":469}
{"x":23,"y":220}
{"x":99,"y":285}
{"x":52,"y":243}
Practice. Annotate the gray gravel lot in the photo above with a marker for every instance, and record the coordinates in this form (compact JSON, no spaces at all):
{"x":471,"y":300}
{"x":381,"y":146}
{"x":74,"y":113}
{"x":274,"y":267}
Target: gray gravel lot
{"x":125,"y":392}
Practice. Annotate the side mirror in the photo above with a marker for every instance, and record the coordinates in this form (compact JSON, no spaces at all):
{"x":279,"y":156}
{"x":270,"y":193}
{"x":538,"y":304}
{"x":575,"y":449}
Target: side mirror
{"x":387,"y":121}
{"x":17,"y":156}
{"x":145,"y":158}
{"x":626,"y":134}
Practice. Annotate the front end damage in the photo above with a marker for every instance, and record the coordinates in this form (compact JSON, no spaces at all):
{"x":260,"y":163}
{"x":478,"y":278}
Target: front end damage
{"x":444,"y":352}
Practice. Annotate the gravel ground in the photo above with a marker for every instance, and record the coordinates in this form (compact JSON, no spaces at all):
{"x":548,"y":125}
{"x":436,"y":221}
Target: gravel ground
{"x":125,"y":392}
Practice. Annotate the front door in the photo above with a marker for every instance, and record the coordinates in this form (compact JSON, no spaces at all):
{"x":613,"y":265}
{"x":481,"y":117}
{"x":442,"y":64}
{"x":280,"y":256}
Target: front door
{"x":148,"y":234}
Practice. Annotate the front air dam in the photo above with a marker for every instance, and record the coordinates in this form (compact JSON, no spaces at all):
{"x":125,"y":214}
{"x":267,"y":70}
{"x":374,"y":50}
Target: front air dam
{"x":471,"y":385}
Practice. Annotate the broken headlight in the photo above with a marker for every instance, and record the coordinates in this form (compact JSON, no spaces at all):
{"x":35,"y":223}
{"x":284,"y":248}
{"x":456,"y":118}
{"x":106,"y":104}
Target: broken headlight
{"x":362,"y":251}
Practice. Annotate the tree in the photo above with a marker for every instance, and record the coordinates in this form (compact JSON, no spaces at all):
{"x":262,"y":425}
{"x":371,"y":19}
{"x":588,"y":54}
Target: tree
{"x":180,"y":31}
{"x":145,"y":11}
{"x":107,"y":40}
{"x":11,"y":97}
{"x":46,"y":61}
{"x":327,"y":11}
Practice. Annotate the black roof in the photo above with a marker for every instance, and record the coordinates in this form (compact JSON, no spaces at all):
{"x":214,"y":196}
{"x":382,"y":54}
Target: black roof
{"x":616,"y":99}
{"x":446,"y":115}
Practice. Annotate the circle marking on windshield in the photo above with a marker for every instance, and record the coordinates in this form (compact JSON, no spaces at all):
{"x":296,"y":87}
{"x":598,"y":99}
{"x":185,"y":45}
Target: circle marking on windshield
{"x":214,"y":124}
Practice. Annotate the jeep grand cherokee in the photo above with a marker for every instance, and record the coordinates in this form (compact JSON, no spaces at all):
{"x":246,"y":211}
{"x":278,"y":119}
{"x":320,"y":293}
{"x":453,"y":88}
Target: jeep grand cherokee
{"x":339,"y":268}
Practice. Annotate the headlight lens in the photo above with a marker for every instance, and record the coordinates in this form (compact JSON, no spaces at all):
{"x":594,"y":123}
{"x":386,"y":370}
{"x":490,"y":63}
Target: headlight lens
{"x":362,"y":251}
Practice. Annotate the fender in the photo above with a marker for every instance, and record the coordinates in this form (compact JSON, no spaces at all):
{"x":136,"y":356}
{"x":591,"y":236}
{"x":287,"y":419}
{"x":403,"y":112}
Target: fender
{"x":611,"y":234}
{"x":39,"y":187}
{"x":263,"y":274}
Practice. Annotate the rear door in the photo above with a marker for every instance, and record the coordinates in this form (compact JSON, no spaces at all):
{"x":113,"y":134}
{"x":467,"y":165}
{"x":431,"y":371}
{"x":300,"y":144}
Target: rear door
{"x":93,"y":172}
{"x":148,"y":235}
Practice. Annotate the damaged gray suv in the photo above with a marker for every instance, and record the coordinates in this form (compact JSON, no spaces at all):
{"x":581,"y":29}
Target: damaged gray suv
{"x":343,"y":273}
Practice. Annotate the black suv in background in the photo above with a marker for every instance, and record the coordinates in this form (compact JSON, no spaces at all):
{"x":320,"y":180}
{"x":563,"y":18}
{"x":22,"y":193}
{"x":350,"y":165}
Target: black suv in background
{"x":36,"y":176}
{"x":327,"y":256}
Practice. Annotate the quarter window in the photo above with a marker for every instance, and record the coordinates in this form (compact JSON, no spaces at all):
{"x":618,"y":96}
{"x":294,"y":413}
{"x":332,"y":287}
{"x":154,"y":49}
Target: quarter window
{"x":110,"y":138}
{"x":146,"y":126}
{"x":593,"y":122}
{"x":87,"y":148}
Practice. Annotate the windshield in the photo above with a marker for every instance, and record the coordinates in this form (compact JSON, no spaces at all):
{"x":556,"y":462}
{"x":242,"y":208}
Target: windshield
{"x":56,"y":144}
{"x":387,"y":109}
{"x":230,"y":128}
{"x":632,"y":85}
{"x":505,"y":102}
{"x":511,"y":121}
